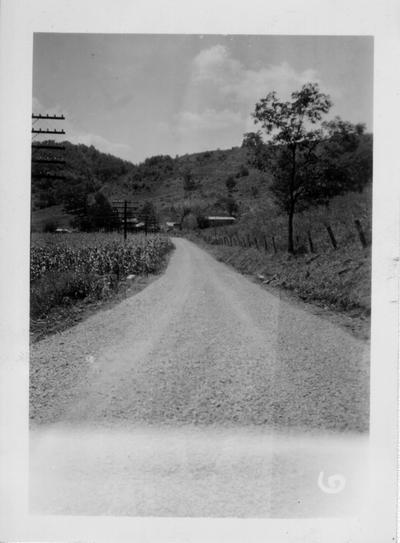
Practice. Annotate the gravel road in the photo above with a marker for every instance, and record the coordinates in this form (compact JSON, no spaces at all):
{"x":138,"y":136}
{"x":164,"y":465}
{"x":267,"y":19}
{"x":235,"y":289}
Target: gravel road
{"x":201,"y":395}
{"x":202,"y":345}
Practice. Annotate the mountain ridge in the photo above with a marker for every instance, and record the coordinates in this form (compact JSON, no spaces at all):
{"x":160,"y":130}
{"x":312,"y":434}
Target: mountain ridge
{"x":198,"y":180}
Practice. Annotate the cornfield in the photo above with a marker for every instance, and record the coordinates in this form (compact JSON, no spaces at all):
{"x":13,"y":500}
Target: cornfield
{"x":65,"y":268}
{"x":102,"y":254}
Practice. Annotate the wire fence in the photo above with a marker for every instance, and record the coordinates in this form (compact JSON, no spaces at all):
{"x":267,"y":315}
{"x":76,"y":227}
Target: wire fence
{"x":317,"y":238}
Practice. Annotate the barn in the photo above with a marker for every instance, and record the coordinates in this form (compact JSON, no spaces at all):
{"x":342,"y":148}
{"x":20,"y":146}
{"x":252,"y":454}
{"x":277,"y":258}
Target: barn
{"x":220,"y":220}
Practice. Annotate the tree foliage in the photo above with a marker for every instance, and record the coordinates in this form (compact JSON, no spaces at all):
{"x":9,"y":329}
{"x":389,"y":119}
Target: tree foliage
{"x":189,"y":182}
{"x":343,"y":161}
{"x":85,"y":170}
{"x":97,"y":215}
{"x":153,"y":170}
{"x":148,"y":215}
{"x":230,"y":183}
{"x":311,"y":160}
{"x":290,"y":125}
{"x":227,"y":204}
{"x":257,"y":152}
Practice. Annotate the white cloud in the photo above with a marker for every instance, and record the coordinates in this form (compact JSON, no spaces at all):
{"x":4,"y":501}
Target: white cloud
{"x":255,"y":84}
{"x":222,"y":94}
{"x":208,"y":120}
{"x":38,"y":107}
{"x":216,"y":108}
{"x":216,"y":65}
{"x":194,"y":131}
{"x":102,"y":144}
{"x":244,"y":86}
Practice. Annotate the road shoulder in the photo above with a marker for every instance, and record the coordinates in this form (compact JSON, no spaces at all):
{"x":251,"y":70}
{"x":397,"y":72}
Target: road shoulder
{"x":61,"y":318}
{"x":355,"y":321}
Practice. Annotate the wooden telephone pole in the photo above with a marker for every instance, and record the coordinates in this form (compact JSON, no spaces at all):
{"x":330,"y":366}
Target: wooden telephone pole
{"x":43,"y":153}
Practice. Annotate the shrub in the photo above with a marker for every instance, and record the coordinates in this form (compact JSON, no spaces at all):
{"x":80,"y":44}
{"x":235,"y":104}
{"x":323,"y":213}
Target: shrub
{"x":202,"y":221}
{"x":56,"y":289}
{"x":50,"y":226}
{"x":230,"y":183}
{"x":243,"y":171}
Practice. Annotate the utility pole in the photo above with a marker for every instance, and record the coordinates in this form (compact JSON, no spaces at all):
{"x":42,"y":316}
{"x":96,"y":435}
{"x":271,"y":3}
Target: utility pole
{"x":42,"y":151}
{"x":125,"y":218}
{"x":124,"y":209}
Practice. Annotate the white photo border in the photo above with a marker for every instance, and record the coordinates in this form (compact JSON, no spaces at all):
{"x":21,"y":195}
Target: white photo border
{"x":19,"y":20}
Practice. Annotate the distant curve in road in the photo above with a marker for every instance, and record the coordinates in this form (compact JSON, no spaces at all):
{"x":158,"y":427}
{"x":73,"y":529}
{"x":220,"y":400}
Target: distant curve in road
{"x":202,"y":345}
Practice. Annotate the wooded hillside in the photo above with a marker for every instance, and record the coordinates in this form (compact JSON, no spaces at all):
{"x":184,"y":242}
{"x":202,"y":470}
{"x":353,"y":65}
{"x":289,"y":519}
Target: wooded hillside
{"x":219,"y":182}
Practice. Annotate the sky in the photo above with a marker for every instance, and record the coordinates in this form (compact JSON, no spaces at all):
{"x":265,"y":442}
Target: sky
{"x":139,"y":95}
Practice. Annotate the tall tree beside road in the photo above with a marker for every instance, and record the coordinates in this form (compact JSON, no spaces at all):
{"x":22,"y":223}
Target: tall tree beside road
{"x":292,"y":144}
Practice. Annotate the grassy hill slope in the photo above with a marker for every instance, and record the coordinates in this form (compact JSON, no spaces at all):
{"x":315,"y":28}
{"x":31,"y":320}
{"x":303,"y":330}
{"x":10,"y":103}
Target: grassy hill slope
{"x":160,"y":180}
{"x":209,"y":172}
{"x":332,"y":275}
{"x":218,"y":182}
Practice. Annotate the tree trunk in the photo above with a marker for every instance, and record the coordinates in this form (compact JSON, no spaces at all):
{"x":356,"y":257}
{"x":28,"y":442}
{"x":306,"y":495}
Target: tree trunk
{"x":290,"y":231}
{"x":292,"y":202}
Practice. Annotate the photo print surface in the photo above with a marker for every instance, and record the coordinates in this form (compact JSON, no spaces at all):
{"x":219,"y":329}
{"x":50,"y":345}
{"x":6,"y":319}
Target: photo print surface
{"x":200,"y":280}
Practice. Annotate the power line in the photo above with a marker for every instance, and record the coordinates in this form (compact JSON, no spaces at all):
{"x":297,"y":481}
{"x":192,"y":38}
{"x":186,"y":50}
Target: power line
{"x":53,"y":117}
{"x":48,"y":146}
{"x":47,"y":158}
{"x":47,"y":131}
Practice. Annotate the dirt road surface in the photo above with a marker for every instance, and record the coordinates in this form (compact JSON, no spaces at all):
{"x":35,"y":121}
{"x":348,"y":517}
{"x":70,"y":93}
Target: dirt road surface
{"x":203,"y":395}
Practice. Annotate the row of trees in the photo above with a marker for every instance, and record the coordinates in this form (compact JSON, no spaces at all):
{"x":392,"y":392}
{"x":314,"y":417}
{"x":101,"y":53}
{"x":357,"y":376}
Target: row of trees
{"x":99,"y":214}
{"x":311,"y":160}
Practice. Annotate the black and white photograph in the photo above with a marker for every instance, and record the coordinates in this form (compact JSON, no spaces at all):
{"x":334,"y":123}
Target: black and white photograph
{"x":201,"y":232}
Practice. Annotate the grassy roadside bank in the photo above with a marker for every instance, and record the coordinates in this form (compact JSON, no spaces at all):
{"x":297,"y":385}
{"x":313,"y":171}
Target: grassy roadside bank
{"x":336,"y":282}
{"x":62,"y":317}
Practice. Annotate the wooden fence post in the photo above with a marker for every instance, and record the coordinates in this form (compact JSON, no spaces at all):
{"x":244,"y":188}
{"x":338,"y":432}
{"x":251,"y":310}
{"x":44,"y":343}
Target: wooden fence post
{"x":331,"y":235}
{"x":361,"y":234}
{"x":125,"y":219}
{"x":265,"y":244}
{"x":273,"y":243}
{"x":256,"y":244}
{"x":310,"y":241}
